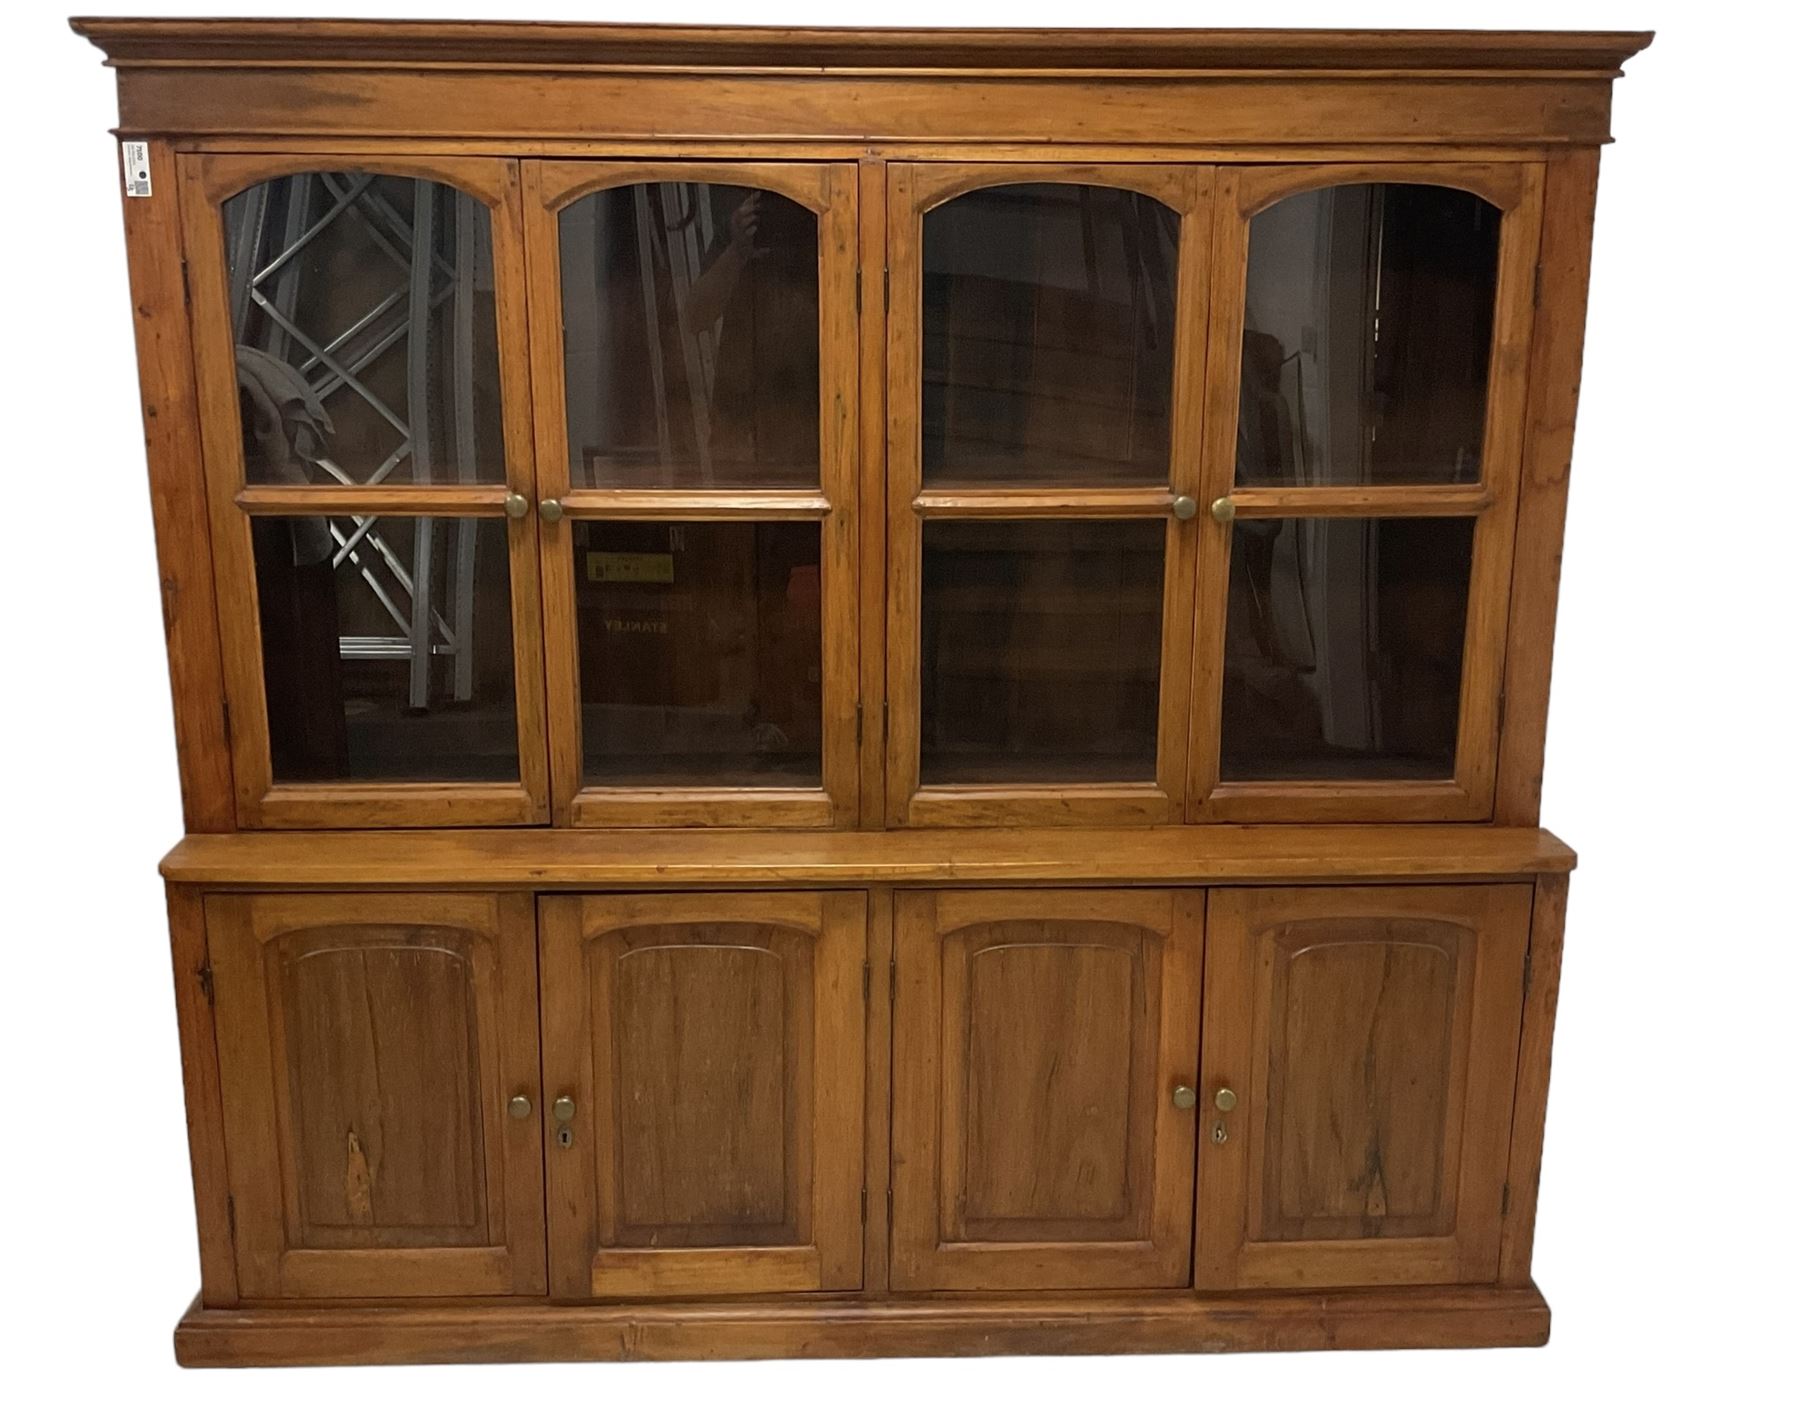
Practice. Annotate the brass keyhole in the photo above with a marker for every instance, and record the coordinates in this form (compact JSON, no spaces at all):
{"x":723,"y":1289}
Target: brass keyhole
{"x":565,"y":1137}
{"x":1218,"y":1134}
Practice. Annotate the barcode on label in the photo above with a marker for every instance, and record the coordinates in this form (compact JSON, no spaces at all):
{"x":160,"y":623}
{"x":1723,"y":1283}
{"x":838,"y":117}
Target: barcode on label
{"x":136,"y":158}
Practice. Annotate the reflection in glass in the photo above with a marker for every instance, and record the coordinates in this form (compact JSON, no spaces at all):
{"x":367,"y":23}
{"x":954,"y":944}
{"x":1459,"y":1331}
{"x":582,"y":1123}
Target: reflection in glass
{"x":1368,"y":314}
{"x":363,"y":680}
{"x":690,"y":337}
{"x":1040,"y":651}
{"x":1048,"y":337}
{"x":363,"y":311}
{"x":1344,"y":648}
{"x":700,"y":646}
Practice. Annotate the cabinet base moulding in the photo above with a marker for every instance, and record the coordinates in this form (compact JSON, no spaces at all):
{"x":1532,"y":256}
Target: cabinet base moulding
{"x":342,"y":1334}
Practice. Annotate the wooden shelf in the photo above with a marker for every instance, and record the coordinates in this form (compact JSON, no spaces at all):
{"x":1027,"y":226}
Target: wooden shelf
{"x":650,"y":859}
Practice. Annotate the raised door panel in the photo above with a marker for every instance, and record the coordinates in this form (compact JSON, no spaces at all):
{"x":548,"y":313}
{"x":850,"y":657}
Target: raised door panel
{"x":371,"y":1046}
{"x":704,"y":1057}
{"x":1039,"y":1037}
{"x":1358,"y":1070}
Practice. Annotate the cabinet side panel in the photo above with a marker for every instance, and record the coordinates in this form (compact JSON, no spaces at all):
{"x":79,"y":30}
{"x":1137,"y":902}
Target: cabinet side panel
{"x":1555,"y":378}
{"x":177,"y":496}
{"x":200,"y":1084}
{"x":1531,"y":1094}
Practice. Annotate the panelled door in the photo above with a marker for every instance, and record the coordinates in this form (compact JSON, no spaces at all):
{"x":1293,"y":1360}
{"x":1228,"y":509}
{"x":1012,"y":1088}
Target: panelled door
{"x":1045,"y":1044}
{"x":694,"y":331}
{"x":378,"y":1068}
{"x":1045,"y":330}
{"x":703,"y":1069}
{"x":359,"y":341}
{"x":1357,"y":1082}
{"x":1364,"y":415}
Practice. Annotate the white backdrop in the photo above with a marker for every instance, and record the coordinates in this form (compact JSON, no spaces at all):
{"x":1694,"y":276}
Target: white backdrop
{"x":1666,"y":1236}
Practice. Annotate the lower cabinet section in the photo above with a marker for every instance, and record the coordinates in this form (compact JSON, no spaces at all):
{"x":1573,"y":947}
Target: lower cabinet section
{"x":704,"y":1056}
{"x":1041,"y":1041}
{"x":661,"y":1096}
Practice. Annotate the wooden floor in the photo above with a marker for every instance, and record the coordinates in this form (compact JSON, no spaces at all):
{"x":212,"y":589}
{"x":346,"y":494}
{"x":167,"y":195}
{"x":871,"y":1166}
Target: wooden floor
{"x":357,"y":1334}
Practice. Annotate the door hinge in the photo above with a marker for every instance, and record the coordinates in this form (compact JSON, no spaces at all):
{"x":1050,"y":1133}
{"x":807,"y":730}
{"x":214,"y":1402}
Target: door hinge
{"x":1500,"y":725}
{"x":205,"y":977}
{"x":868,"y":970}
{"x":1506,"y":1197}
{"x":187,"y":294}
{"x":1527,"y":970}
{"x":231,"y":1217}
{"x":859,"y":723}
{"x":1537,"y":286}
{"x":225,"y":713}
{"x":893,"y":983}
{"x":865,"y":1204}
{"x":884,"y":721}
{"x":859,"y":290}
{"x":886,"y":289}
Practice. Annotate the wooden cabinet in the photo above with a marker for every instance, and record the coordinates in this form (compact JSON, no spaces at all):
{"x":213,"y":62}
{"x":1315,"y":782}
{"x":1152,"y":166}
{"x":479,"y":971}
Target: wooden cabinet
{"x":1041,"y":1038}
{"x":1357,"y":1084}
{"x":825,"y":582}
{"x":376,"y":1052}
{"x":703,"y":1055}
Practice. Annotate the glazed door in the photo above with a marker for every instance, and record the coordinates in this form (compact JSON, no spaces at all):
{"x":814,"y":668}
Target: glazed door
{"x":359,"y":340}
{"x":1044,"y":338}
{"x":703,"y":1056}
{"x":378,"y":1073}
{"x":1357,"y":1082}
{"x":1045,"y":1044}
{"x":1365,"y":401}
{"x":695,"y":336}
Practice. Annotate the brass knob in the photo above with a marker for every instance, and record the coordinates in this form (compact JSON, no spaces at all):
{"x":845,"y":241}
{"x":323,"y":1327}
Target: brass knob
{"x":516,"y":505}
{"x":1224,"y":511}
{"x":1225,"y":1099}
{"x":563,"y":1108}
{"x":519,"y":1107}
{"x":550,"y":509}
{"x":1184,"y":508}
{"x":1184,"y":1098}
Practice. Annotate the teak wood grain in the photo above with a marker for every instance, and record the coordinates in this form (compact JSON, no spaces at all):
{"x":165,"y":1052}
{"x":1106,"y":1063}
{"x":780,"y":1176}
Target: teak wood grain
{"x":1369,"y":1037}
{"x":624,"y":859}
{"x":961,"y":1326}
{"x":710,"y":1048}
{"x":1038,"y":1036}
{"x":368,"y":1049}
{"x":872,"y":1067}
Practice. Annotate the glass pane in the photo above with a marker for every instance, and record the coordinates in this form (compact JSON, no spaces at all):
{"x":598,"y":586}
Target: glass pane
{"x":700,"y":648}
{"x":691,"y":337}
{"x":363,"y":309}
{"x":1368,"y":314}
{"x":1040,"y":651}
{"x":1344,"y":648}
{"x":1048,"y":337}
{"x":365,"y":683}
